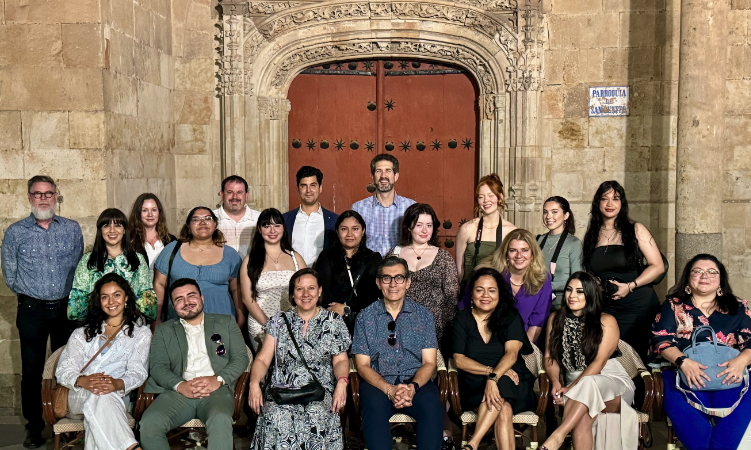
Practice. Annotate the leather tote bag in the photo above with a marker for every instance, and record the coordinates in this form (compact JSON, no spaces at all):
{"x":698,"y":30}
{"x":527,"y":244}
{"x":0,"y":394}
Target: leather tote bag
{"x":710,"y":354}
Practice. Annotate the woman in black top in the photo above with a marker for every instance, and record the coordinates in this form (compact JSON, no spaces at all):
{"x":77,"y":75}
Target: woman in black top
{"x":489,"y":339}
{"x":346,"y":263}
{"x":612,"y":250}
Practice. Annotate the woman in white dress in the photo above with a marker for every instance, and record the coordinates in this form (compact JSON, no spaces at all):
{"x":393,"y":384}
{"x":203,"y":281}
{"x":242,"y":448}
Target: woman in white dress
{"x":103,"y":361}
{"x":581,"y":351}
{"x":266,"y":271}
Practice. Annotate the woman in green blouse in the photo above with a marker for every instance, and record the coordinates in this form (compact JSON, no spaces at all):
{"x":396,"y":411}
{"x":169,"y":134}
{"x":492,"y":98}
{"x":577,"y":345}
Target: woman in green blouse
{"x":558,"y":218}
{"x":112,"y":253}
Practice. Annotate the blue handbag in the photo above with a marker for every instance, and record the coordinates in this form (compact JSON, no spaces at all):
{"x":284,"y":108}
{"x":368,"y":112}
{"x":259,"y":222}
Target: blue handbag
{"x":710,"y":354}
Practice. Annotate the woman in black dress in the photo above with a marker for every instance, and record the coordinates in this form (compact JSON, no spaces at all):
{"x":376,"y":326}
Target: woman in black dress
{"x":348,"y":270}
{"x":489,"y":339}
{"x":613,"y":249}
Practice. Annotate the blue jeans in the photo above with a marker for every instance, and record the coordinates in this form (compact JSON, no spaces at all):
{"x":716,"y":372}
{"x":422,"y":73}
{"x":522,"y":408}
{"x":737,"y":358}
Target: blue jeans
{"x":693,"y":427}
{"x":377,"y":409}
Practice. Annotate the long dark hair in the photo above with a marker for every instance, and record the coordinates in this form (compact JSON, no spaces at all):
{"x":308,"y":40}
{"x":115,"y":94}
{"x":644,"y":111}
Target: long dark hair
{"x":566,"y":208}
{"x":186,"y":235}
{"x":138,"y":231}
{"x":99,"y":254}
{"x":95,"y":315}
{"x":410,"y":220}
{"x":257,"y":254}
{"x":622,"y":223}
{"x":504,"y":313}
{"x":355,"y":215}
{"x":591,"y":318}
{"x":727,"y":302}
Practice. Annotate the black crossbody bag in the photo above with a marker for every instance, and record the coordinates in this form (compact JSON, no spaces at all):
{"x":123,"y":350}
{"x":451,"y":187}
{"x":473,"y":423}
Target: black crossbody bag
{"x":289,"y":395}
{"x":557,"y":251}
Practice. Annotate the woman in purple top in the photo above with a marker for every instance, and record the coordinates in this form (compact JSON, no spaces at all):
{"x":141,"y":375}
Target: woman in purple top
{"x":522,"y":264}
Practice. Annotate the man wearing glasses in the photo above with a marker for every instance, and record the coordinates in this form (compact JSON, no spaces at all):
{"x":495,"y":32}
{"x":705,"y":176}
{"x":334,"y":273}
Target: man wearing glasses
{"x":395,"y":351}
{"x":195,"y":361}
{"x":39,"y":257}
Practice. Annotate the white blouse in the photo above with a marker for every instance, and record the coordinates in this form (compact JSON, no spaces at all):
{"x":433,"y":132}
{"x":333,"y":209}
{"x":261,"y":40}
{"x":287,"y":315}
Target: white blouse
{"x":152,"y":253}
{"x":126,"y":359}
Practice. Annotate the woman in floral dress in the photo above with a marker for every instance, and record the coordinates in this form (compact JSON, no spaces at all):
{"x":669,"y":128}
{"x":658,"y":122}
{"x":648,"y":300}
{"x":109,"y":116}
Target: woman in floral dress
{"x":112,"y":253}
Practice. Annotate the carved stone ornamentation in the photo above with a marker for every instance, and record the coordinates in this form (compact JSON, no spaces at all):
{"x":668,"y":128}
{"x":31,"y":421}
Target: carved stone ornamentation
{"x":525,"y":65}
{"x":282,"y":24}
{"x":233,"y":7}
{"x":428,"y":11}
{"x":269,"y":8}
{"x":274,"y":108}
{"x":231,"y":61}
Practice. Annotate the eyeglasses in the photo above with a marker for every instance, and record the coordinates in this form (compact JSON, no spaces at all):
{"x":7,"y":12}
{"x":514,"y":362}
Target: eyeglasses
{"x":207,"y":219}
{"x":392,"y":336}
{"x":386,"y":279}
{"x":39,"y":195}
{"x":711,"y":273}
{"x":221,"y":350}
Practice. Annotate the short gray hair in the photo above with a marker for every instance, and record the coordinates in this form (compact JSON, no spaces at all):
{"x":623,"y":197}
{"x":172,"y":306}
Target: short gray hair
{"x":392,"y":261}
{"x":40,"y":179}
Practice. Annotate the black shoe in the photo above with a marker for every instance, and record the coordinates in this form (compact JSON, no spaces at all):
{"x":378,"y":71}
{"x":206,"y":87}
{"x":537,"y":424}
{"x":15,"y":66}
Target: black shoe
{"x":33,"y":440}
{"x":448,"y":444}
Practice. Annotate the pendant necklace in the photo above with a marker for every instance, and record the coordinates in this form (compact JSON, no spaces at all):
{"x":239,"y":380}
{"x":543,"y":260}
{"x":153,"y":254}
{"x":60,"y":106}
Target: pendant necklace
{"x":607,"y":245}
{"x":276,"y":261}
{"x":419,"y":257}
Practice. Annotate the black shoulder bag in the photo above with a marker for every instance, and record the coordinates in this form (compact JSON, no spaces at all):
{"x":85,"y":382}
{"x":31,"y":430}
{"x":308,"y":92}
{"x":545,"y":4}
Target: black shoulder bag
{"x":167,"y":300}
{"x":291,"y":395}
{"x":557,"y":251}
{"x":478,"y":239}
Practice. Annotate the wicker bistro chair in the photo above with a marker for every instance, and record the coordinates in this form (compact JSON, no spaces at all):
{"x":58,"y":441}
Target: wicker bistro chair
{"x":145,"y":399}
{"x":659,"y":404}
{"x":534,"y":362}
{"x":354,"y":380}
{"x":634,"y":366}
{"x":72,"y":424}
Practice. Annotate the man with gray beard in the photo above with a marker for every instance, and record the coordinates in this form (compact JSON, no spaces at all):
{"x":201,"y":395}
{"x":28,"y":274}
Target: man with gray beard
{"x":39,"y":257}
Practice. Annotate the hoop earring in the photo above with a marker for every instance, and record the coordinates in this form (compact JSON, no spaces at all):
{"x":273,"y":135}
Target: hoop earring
{"x":688,"y":290}
{"x":719,"y":292}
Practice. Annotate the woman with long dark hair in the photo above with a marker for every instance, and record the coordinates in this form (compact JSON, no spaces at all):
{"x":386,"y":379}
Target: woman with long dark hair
{"x":489,"y":339}
{"x":585,"y":376}
{"x":112,"y":253}
{"x":613,"y":249}
{"x":703,"y":296}
{"x":348,"y":269}
{"x":148,"y":230}
{"x":115,"y":328}
{"x":200,"y":253}
{"x":560,"y":239}
{"x":266,"y":271}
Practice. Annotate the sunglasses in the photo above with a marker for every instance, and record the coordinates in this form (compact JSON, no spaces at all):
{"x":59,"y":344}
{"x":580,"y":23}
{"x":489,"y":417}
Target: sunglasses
{"x":392,"y":336}
{"x":221,"y":350}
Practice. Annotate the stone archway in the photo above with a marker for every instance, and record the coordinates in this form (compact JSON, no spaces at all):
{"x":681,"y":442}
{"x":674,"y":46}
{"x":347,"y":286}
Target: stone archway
{"x":266,"y":44}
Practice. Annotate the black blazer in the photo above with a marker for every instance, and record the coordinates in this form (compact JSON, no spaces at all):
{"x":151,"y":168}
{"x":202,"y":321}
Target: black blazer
{"x":329,"y":221}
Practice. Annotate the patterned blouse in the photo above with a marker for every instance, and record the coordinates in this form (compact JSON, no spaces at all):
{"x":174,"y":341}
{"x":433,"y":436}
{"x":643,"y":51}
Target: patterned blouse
{"x":678,"y":318}
{"x":85,"y":278}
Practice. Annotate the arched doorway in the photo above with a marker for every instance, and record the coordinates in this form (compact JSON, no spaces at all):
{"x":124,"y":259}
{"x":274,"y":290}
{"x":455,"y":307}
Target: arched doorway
{"x":424,"y":113}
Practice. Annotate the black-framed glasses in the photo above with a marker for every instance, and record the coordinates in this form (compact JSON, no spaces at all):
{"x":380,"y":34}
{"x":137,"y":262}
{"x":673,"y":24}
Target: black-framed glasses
{"x":39,"y":195}
{"x":386,"y":279}
{"x":221,"y":350}
{"x":392,"y":336}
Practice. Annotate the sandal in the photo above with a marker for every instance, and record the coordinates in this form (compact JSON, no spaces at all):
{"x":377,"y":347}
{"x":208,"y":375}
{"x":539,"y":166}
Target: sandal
{"x":469,"y":447}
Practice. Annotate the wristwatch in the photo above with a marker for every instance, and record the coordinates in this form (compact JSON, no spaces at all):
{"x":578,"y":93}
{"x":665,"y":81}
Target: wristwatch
{"x":220,"y":380}
{"x":417,"y":386}
{"x":493,"y":377}
{"x":679,"y":361}
{"x":347,"y":310}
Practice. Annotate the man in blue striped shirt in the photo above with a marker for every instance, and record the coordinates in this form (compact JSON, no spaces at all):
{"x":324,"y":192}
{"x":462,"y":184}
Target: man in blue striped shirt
{"x":383,"y":212}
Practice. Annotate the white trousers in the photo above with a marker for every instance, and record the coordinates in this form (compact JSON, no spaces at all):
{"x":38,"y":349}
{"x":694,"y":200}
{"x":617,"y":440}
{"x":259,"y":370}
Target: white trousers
{"x":104,"y":419}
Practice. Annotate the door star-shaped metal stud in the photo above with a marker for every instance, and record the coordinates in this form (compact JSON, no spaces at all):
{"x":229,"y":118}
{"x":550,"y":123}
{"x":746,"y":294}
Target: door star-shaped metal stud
{"x":404,"y":64}
{"x":467,"y":143}
{"x":311,"y":144}
{"x":436,"y":145}
{"x":369,"y":146}
{"x":339,"y":144}
{"x":405,"y":145}
{"x":368,"y":65}
{"x":390,"y":104}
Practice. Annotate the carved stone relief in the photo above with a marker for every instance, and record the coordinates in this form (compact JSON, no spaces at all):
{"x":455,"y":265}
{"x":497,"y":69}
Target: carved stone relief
{"x":295,"y":19}
{"x":274,"y":108}
{"x":270,"y":7}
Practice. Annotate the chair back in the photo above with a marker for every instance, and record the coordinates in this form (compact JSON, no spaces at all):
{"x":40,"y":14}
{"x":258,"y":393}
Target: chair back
{"x":51,"y":364}
{"x":250,"y":358}
{"x":630,"y":360}
{"x":440,"y":362}
{"x":534,"y":361}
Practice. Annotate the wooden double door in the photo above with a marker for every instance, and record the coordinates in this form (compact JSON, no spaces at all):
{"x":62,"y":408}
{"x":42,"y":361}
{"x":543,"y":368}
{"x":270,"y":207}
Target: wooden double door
{"x":424,"y":114}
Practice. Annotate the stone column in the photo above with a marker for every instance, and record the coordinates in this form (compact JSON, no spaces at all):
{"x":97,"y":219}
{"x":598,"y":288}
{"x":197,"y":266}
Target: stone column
{"x":701,"y":109}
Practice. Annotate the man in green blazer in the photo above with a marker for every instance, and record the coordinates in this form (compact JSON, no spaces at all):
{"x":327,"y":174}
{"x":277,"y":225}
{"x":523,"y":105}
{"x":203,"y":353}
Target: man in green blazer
{"x":194,"y":362}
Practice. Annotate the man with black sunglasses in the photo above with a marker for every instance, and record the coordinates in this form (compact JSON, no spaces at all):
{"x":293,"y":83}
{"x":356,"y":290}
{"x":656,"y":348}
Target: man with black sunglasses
{"x":395,"y":352}
{"x":194,"y":362}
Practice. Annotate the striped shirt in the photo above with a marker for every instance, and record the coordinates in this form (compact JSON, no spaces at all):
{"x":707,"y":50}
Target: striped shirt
{"x":382,"y":223}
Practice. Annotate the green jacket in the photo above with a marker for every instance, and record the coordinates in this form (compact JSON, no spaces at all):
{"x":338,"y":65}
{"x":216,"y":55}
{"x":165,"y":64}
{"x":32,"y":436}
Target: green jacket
{"x":169,"y":352}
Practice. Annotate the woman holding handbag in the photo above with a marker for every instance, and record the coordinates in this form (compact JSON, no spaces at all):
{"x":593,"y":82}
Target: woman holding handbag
{"x":103,"y":361}
{"x":307,"y":387}
{"x":701,"y":297}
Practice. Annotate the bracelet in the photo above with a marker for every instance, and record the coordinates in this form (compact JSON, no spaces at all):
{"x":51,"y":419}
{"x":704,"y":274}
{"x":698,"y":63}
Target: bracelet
{"x":629,"y":287}
{"x":388,"y":392}
{"x":346,"y":380}
{"x":488,"y":370}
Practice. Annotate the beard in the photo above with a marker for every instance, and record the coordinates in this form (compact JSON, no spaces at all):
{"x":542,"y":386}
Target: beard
{"x":388,"y":187}
{"x":189,"y":315}
{"x":43,"y":214}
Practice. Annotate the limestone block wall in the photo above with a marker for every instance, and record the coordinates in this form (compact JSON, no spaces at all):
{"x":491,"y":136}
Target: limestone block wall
{"x":736,"y":184}
{"x":614,"y":43}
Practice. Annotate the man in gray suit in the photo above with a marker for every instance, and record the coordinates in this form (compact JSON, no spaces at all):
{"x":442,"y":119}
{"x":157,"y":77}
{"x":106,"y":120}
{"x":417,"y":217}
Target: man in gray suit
{"x":194,"y":362}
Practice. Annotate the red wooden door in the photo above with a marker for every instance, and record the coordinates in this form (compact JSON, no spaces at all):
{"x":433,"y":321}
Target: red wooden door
{"x":422,"y":109}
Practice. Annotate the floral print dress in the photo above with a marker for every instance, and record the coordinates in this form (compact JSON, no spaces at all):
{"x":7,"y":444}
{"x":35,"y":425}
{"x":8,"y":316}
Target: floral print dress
{"x":85,"y":278}
{"x":678,"y":319}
